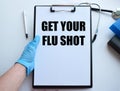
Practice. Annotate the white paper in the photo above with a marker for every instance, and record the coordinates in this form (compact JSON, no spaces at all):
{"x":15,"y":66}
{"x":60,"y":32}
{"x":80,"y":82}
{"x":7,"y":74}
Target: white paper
{"x":63,"y":65}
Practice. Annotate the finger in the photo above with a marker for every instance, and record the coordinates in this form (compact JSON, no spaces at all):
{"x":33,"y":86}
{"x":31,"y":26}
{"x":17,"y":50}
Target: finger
{"x":35,"y":42}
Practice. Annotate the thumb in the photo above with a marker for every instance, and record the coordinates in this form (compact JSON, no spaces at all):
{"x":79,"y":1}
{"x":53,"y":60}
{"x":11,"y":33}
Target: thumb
{"x":35,"y":41}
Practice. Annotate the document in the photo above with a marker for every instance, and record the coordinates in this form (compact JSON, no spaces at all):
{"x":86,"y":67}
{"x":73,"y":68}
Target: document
{"x":64,"y":54}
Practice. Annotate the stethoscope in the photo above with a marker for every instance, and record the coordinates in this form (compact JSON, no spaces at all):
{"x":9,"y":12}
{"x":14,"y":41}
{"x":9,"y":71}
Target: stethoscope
{"x":114,"y":14}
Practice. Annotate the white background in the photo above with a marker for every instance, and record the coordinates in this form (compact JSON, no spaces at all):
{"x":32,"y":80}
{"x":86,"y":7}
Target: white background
{"x":106,"y":62}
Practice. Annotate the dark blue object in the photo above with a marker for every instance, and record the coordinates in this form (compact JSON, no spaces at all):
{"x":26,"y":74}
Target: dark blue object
{"x":115,"y":43}
{"x":115,"y":27}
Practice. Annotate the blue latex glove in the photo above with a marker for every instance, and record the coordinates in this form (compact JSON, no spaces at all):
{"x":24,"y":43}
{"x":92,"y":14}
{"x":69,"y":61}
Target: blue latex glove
{"x":27,"y":57}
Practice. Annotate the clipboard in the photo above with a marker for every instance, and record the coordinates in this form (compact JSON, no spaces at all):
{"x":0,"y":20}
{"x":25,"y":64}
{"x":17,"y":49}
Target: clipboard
{"x":64,"y":55}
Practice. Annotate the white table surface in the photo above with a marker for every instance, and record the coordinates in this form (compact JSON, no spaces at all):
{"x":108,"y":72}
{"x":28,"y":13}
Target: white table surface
{"x":106,"y":62}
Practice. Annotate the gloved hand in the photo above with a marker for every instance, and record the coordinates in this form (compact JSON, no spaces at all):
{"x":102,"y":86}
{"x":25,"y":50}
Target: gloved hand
{"x":27,"y":57}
